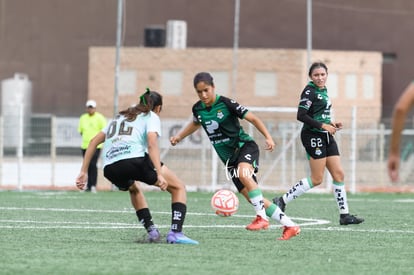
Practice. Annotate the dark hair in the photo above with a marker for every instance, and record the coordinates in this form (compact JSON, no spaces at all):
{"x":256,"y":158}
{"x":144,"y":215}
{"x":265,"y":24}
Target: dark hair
{"x":156,"y":99}
{"x":147,"y":102}
{"x":317,"y":65}
{"x":205,"y":77}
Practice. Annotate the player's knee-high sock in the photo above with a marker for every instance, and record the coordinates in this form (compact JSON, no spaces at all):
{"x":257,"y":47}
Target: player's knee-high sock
{"x":298,"y":189}
{"x":179,"y":211}
{"x":256,"y":198}
{"x":276,"y":213}
{"x":340,"y":197}
{"x":144,"y":217}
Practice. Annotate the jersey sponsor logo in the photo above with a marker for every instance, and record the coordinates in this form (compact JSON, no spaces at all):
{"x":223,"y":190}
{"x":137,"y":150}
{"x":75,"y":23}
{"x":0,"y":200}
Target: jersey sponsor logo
{"x":118,"y":151}
{"x":211,"y":126}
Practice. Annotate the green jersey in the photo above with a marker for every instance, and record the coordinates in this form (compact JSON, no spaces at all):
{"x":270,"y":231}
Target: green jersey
{"x":222,"y":126}
{"x":314,"y":108}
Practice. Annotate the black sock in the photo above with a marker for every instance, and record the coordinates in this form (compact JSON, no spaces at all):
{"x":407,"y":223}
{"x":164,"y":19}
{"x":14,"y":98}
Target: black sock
{"x":178,"y":216}
{"x":144,"y":217}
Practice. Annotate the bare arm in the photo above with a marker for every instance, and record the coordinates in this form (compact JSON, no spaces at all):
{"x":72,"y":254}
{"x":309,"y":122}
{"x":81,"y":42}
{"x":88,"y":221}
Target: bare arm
{"x":186,"y":131}
{"x":253,"y":119}
{"x":83,"y":175}
{"x":154,"y":154}
{"x":401,"y":109}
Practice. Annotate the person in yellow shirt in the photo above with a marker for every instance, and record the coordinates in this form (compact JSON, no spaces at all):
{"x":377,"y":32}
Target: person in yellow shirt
{"x":90,"y":124}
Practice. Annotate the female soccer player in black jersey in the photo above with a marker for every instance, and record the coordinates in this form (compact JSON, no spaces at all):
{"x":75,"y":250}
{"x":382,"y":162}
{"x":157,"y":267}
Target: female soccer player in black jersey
{"x":219,"y":116}
{"x":318,"y":140}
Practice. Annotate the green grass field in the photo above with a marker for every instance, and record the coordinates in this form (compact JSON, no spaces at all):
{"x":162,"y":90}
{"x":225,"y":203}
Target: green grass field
{"x":84,"y":233}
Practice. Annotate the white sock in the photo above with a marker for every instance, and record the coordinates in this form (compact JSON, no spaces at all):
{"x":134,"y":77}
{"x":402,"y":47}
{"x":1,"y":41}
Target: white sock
{"x":297,"y":190}
{"x":256,"y":199}
{"x":340,"y":197}
{"x":276,"y":213}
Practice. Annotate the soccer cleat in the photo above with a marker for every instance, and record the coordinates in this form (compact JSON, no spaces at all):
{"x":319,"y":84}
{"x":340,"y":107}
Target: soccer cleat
{"x":280,"y":203}
{"x":349,"y":219}
{"x":289,"y":232}
{"x":258,"y":223}
{"x":179,"y":238}
{"x":153,"y":235}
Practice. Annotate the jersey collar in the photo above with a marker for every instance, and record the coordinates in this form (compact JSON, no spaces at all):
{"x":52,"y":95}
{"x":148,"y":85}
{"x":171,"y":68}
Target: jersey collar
{"x":323,"y":90}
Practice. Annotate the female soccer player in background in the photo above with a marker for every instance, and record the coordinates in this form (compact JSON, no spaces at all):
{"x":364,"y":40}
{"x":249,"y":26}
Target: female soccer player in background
{"x":219,"y":116}
{"x":318,"y":140}
{"x":131,"y":154}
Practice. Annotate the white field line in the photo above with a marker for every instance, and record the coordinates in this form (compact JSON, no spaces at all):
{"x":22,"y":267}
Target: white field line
{"x":68,"y":224}
{"x":34,"y":224}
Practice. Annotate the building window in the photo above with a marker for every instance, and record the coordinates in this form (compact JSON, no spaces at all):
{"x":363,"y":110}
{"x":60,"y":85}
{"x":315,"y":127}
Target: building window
{"x":221,"y":82}
{"x":127,"y":82}
{"x":332,"y":85}
{"x":388,"y":58}
{"x":351,"y":86}
{"x":171,"y":82}
{"x":368,"y":86}
{"x":265,"y":84}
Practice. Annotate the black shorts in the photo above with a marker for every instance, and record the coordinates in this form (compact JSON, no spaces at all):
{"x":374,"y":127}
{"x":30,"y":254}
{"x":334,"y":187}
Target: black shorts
{"x":319,"y":145}
{"x":123,"y":173}
{"x":249,"y":153}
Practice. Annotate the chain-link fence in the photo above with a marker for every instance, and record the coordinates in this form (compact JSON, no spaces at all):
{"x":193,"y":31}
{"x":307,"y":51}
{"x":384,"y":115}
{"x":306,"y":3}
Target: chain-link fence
{"x":46,"y":154}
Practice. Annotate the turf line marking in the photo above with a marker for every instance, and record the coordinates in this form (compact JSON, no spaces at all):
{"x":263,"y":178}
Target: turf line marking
{"x":19,"y":224}
{"x":106,"y":226}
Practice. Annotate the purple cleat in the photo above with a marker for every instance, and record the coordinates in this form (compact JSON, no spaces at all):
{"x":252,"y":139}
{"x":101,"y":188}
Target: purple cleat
{"x":153,"y":235}
{"x":179,"y":238}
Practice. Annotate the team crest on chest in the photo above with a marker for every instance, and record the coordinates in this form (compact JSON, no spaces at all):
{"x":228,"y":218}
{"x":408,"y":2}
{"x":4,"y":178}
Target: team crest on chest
{"x":220,"y":114}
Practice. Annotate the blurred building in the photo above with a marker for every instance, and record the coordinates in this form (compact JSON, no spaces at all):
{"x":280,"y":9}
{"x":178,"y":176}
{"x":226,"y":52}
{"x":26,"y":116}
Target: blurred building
{"x":265,"y":78}
{"x":49,"y":40}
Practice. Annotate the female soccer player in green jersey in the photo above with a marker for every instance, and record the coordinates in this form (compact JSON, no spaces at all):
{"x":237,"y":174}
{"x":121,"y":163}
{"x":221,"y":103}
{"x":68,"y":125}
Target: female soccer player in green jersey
{"x":318,"y":140}
{"x":219,"y":116}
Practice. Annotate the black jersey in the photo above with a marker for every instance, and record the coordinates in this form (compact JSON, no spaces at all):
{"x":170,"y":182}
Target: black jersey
{"x":222,"y":126}
{"x":314,"y":108}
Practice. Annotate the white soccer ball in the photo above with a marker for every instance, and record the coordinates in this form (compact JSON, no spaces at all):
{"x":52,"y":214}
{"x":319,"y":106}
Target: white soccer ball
{"x":225,"y":203}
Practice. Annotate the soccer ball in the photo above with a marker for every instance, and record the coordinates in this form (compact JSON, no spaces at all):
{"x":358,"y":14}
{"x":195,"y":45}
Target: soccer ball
{"x":225,"y":203}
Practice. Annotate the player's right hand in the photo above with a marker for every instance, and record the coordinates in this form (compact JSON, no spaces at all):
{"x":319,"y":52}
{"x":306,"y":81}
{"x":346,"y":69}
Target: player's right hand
{"x":81,"y":180}
{"x":174,"y":140}
{"x":393,"y":167}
